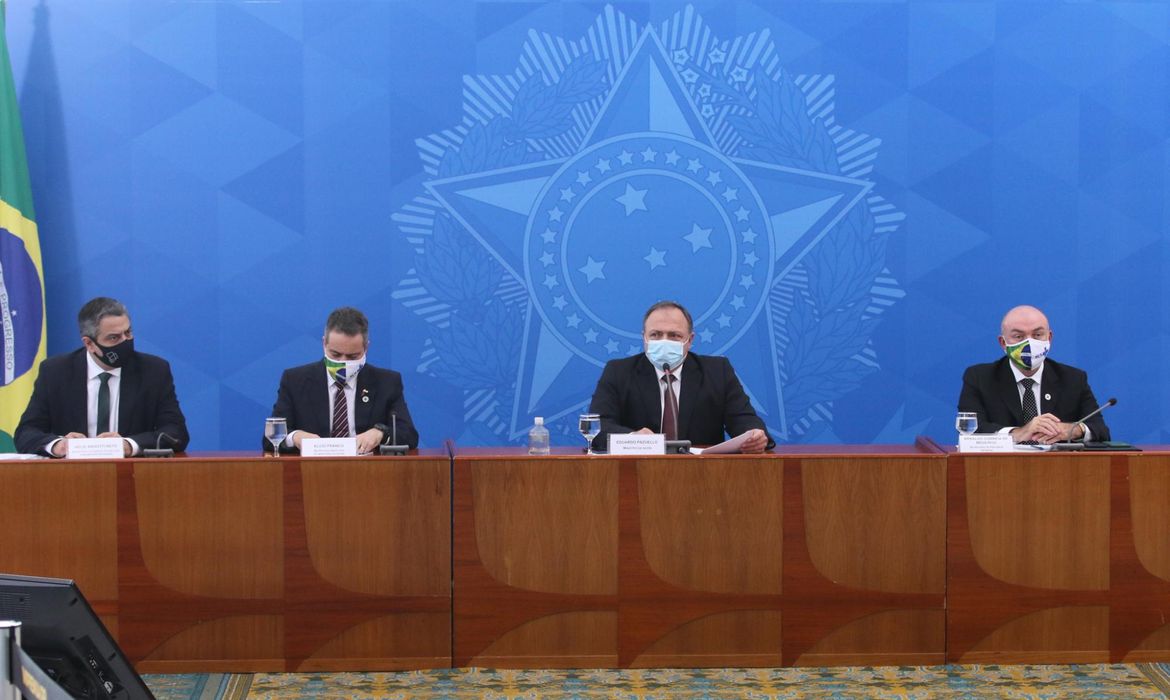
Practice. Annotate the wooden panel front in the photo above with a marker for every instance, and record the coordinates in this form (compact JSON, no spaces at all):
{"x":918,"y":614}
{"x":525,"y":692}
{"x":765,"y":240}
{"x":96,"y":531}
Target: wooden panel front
{"x":1058,"y":558}
{"x":881,"y":527}
{"x":246,"y":563}
{"x":713,"y":564}
{"x":724,"y":514}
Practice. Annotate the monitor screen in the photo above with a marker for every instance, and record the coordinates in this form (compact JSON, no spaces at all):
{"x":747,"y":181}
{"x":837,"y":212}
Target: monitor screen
{"x":67,"y":639}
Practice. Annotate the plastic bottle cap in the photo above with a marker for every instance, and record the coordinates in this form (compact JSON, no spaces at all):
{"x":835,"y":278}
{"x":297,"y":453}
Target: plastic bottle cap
{"x":539,"y":420}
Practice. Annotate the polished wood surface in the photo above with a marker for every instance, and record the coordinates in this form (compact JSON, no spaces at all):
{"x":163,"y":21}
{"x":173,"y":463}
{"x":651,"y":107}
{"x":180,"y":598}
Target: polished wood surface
{"x":241,"y":563}
{"x":813,"y":555}
{"x":1058,"y":557}
{"x":831,"y":552}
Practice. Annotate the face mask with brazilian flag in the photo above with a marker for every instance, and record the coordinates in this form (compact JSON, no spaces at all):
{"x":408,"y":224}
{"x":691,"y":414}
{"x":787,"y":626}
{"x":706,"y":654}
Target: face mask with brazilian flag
{"x":22,"y":301}
{"x":1029,"y":353}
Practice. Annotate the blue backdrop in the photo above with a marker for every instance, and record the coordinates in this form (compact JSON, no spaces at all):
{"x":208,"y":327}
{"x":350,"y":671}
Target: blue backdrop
{"x":847,"y":195}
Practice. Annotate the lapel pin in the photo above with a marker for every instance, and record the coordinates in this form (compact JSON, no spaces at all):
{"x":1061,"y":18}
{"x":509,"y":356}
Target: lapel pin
{"x":365,"y":399}
{"x":1048,"y":397}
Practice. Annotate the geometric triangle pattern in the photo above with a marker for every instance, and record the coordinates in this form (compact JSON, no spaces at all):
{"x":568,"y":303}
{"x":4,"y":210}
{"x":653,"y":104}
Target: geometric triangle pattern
{"x":503,"y":189}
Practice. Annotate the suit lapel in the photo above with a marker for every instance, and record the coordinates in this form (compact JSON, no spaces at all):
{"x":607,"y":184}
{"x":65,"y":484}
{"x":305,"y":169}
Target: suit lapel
{"x":1009,"y":391}
{"x":363,"y":399}
{"x":648,"y":393}
{"x":1049,"y":387}
{"x":692,"y":384}
{"x":318,"y":392}
{"x":128,"y":390}
{"x":78,"y":417}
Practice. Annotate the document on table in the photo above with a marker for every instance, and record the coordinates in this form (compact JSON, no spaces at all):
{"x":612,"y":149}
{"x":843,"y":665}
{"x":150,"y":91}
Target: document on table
{"x":724,"y":448}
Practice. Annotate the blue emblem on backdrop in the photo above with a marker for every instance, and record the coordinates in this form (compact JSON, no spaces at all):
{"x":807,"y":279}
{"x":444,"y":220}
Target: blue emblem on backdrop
{"x":609,"y":173}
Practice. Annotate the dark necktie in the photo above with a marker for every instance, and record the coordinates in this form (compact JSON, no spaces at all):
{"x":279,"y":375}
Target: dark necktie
{"x":340,"y":411}
{"x":1028,"y":403}
{"x":669,"y":409}
{"x":103,"y":404}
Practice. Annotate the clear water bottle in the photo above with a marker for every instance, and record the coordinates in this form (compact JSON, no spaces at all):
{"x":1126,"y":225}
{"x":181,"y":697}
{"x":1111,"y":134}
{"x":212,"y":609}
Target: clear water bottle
{"x":538,"y":438}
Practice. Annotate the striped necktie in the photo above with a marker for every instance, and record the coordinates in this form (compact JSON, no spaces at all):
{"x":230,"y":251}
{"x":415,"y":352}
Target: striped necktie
{"x":340,"y":411}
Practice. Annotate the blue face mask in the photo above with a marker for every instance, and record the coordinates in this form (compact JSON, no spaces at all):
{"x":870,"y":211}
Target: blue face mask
{"x":669,"y":352}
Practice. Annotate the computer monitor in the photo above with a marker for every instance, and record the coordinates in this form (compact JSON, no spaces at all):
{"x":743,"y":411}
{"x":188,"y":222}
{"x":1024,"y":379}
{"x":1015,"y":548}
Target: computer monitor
{"x":67,"y":639}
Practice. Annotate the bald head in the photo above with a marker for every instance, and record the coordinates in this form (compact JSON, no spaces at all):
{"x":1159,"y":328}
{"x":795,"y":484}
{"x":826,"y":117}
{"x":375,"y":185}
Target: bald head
{"x":1024,"y":322}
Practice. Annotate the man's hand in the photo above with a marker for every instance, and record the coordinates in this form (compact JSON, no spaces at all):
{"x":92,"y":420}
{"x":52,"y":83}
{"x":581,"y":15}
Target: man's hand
{"x":126,"y":449}
{"x":368,"y":441}
{"x":301,"y":435}
{"x":1045,"y":429}
{"x":756,"y":442}
{"x":62,"y":447}
{"x":643,"y":431}
{"x":1072,"y":432}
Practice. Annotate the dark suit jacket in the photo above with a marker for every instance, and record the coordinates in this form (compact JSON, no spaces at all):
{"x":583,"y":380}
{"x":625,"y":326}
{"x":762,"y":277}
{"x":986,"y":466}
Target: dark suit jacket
{"x":147,"y":405}
{"x":303,"y":399}
{"x":712,"y":401}
{"x":990,"y":390}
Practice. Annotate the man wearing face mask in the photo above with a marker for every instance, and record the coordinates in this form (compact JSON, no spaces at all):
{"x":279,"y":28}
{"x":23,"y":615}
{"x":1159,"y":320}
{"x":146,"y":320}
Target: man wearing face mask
{"x":103,"y":389}
{"x":1036,"y":399}
{"x":342,"y":396}
{"x":670,"y":390}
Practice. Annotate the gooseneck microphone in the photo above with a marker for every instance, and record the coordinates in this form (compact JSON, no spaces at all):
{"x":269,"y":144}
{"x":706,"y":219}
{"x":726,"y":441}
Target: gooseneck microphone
{"x":392,"y":447}
{"x":1112,"y":402}
{"x":159,"y":450}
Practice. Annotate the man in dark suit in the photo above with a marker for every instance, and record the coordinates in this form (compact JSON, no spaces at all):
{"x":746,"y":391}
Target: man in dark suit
{"x":696,"y":397}
{"x":341,"y":395}
{"x":104,"y":389}
{"x":1026,"y":394}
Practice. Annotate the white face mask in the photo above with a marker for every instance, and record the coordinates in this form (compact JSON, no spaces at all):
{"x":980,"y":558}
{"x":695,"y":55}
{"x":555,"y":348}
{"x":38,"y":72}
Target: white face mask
{"x":1028,"y":354}
{"x":344,"y":369}
{"x":668,"y":352}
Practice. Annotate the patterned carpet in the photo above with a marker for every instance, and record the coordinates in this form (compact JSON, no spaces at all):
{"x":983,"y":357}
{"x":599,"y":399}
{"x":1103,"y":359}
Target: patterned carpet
{"x":1104,"y":681}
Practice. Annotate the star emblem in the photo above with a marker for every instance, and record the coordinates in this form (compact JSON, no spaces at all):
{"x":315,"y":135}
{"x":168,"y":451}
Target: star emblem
{"x":698,"y":238}
{"x":593,"y":270}
{"x":633,"y":200}
{"x":610,"y":192}
{"x":656,"y":258}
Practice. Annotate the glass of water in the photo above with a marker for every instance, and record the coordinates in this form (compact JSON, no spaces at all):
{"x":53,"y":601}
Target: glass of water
{"x":276,"y":430}
{"x":966,"y":423}
{"x":590,"y":425}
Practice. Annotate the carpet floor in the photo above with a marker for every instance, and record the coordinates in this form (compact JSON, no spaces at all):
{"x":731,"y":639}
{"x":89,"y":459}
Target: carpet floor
{"x":1097,"y":681}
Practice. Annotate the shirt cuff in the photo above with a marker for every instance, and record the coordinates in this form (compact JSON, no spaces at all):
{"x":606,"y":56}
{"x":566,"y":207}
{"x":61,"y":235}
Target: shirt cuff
{"x":49,"y":447}
{"x":1008,"y":429}
{"x":1088,"y":436}
{"x":134,"y":449}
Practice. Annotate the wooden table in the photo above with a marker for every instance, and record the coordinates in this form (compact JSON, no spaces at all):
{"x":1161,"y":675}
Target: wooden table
{"x":234,"y":562}
{"x":818,"y":555}
{"x":814,"y":556}
{"x":1059,"y":557}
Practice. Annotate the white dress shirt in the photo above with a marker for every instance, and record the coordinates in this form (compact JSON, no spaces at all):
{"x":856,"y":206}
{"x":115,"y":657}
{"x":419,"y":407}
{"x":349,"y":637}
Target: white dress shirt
{"x":1036,"y":393}
{"x":677,"y":372}
{"x":350,"y":397}
{"x":93,"y":383}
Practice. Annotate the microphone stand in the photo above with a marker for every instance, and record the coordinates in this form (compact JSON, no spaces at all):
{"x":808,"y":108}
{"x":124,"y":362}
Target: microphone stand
{"x":393,"y":448}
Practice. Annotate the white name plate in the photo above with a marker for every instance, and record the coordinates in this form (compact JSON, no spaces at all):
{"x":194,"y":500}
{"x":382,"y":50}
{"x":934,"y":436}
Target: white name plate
{"x":329,"y":447}
{"x":94,"y":448}
{"x":637,"y":444}
{"x":986,"y":442}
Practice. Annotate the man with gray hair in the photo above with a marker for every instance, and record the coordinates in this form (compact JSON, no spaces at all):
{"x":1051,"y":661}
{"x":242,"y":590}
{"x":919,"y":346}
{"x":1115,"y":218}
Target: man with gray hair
{"x":670,"y":390}
{"x":103,"y":389}
{"x":341,"y":395}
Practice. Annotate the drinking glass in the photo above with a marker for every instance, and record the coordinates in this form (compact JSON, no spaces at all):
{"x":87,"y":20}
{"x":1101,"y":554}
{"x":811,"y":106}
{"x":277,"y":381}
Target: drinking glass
{"x":966,"y":423}
{"x":590,"y":425}
{"x":276,"y":430}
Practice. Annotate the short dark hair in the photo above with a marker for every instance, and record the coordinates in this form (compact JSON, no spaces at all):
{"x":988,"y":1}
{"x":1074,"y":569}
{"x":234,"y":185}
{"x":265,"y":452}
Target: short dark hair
{"x":91,"y":315}
{"x":668,"y":304}
{"x":348,"y":321}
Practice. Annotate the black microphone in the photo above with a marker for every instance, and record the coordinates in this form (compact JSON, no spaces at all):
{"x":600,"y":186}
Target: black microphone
{"x":393,"y":448}
{"x":1069,"y":444}
{"x":159,"y":450}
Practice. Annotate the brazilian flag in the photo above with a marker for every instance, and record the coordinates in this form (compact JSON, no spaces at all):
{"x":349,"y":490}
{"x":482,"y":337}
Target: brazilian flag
{"x":22,"y":298}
